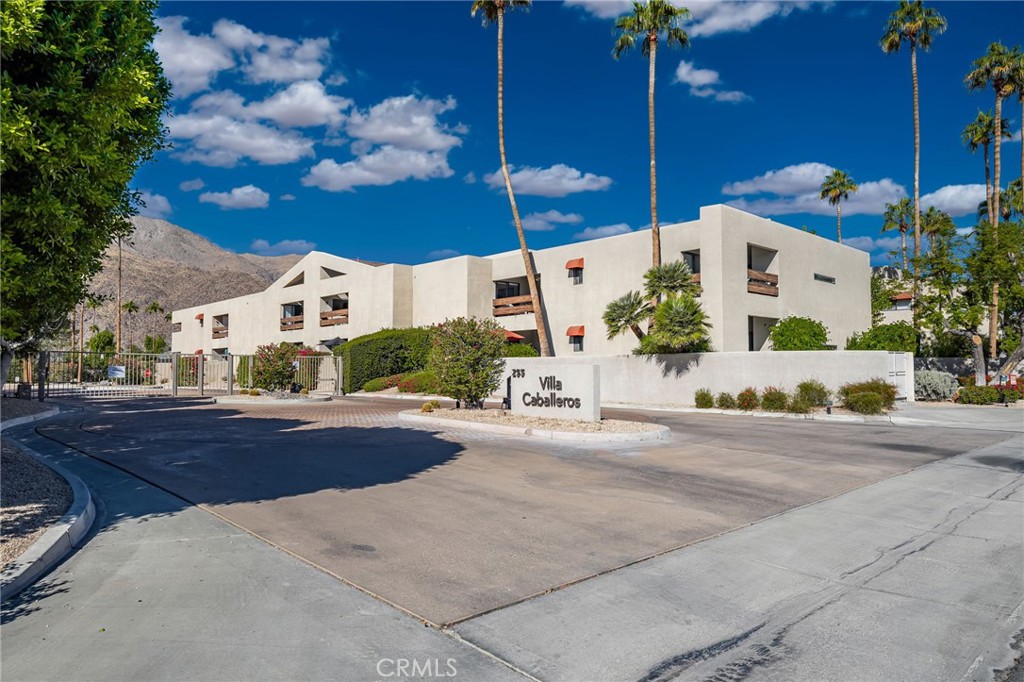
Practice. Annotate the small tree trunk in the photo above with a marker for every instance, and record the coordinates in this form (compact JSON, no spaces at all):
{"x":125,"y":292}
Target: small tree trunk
{"x":655,"y":230}
{"x":978,"y":354}
{"x":993,"y":311}
{"x":917,"y":186}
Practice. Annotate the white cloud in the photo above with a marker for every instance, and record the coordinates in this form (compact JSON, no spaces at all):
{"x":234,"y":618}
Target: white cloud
{"x":220,"y":140}
{"x":956,"y":200}
{"x":704,"y":82}
{"x":469,"y":178}
{"x":602,"y":9}
{"x":603,"y":231}
{"x":546,"y":221}
{"x":286,"y":197}
{"x":709,"y":18}
{"x":385,"y":166}
{"x":190,"y":61}
{"x":557,"y":181}
{"x":301,"y":104}
{"x":248,"y":196}
{"x":273,"y":59}
{"x":441,"y":254}
{"x":155,"y":205}
{"x":284,"y":247}
{"x":873,"y":244}
{"x":192,"y":185}
{"x":405,"y":122}
{"x":336,"y":79}
{"x":796,"y":179}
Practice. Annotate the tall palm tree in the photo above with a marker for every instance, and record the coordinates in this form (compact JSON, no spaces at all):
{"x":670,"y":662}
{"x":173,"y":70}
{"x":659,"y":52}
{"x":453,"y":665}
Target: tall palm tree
{"x":995,"y":69}
{"x":899,"y":216}
{"x":493,"y":12}
{"x":647,"y":22}
{"x":936,"y":223}
{"x":979,"y":133}
{"x":130,"y":307}
{"x":915,"y":24}
{"x":838,"y":187}
{"x":1017,"y":76}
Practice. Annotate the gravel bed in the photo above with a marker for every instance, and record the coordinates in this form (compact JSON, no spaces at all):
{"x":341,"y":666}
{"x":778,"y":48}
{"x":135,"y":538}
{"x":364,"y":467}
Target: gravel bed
{"x":33,"y":497}
{"x":506,"y":418}
{"x":12,"y":408}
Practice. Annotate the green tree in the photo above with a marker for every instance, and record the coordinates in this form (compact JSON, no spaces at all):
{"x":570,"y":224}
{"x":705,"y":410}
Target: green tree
{"x":837,"y":187}
{"x":899,"y":216}
{"x":680,"y":326}
{"x":466,"y":356}
{"x":154,"y":344}
{"x":882,"y":291}
{"x":628,"y":312}
{"x":101,"y":341}
{"x":916,"y":25}
{"x":997,"y":259}
{"x":979,"y":133}
{"x":798,"y":333}
{"x":273,"y":368}
{"x":82,"y":99}
{"x":648,"y":21}
{"x":935,"y":223}
{"x":131,"y":308}
{"x":897,"y":336}
{"x":493,"y":12}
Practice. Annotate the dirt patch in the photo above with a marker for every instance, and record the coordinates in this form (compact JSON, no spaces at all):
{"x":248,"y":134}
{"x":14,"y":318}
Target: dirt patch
{"x":12,"y":408}
{"x":33,"y":497}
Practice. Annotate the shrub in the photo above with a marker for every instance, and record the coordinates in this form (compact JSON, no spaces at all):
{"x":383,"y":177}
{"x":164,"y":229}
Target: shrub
{"x":519,"y":350}
{"x":374,"y":385}
{"x":813,"y":392}
{"x":272,"y":366}
{"x":747,"y":399}
{"x":466,"y":357}
{"x":254,"y":391}
{"x":725,"y":401}
{"x":977,"y":395}
{"x":418,"y":382}
{"x":882,"y":388}
{"x":798,"y":404}
{"x":798,"y":333}
{"x":931,"y":385}
{"x":304,"y":391}
{"x":430,"y":406}
{"x":898,"y":336}
{"x":381,"y":354}
{"x":774,"y":399}
{"x":704,"y":398}
{"x":864,"y":402}
{"x":966,"y":380}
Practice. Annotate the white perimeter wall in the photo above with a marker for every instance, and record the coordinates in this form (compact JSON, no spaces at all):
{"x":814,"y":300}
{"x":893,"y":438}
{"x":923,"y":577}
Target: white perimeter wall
{"x":673,"y":379}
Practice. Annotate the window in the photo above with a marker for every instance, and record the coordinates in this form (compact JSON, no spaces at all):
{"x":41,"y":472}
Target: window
{"x":692,"y":260}
{"x":176,"y":327}
{"x":291,"y":309}
{"x":576,"y":342}
{"x":506,"y":289}
{"x":576,"y":275}
{"x":824,"y":278}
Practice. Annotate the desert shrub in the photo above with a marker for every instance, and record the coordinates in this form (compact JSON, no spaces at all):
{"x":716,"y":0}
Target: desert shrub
{"x":254,"y":391}
{"x":725,"y":401}
{"x":774,"y":399}
{"x":882,"y":388}
{"x":418,"y":382}
{"x":813,"y":392}
{"x":931,"y":385}
{"x":704,"y":399}
{"x":898,"y":336}
{"x":272,"y":366}
{"x":797,"y":404}
{"x":798,"y":333}
{"x":864,"y":402}
{"x":383,"y":353}
{"x":977,"y":395}
{"x":304,"y":391}
{"x":747,"y":399}
{"x":430,"y":406}
{"x":519,"y":350}
{"x":466,"y":357}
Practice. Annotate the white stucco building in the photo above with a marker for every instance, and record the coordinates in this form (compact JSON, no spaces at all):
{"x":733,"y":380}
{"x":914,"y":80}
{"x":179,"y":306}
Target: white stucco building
{"x":753,"y":272}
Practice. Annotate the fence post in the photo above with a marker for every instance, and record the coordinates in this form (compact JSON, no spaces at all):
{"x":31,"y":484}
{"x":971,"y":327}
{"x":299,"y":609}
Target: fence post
{"x":175,"y":359}
{"x":199,"y":373}
{"x":42,"y":372}
{"x":231,"y":373}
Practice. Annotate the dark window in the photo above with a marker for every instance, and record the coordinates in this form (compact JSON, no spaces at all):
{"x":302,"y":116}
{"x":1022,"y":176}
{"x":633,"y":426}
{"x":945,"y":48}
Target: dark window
{"x":176,"y":327}
{"x":291,"y":309}
{"x":576,"y":275}
{"x":506,"y":289}
{"x":577,"y":343}
{"x":750,"y":333}
{"x":825,"y":278}
{"x":692,"y":260}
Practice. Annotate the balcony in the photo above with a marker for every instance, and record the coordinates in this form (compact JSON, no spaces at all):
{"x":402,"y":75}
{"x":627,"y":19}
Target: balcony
{"x":330,"y":318}
{"x":512,"y":305}
{"x":762,"y":283}
{"x":291,"y":323}
{"x":220,"y":332}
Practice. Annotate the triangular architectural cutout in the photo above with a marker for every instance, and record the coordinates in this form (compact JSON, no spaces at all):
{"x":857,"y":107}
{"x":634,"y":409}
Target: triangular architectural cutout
{"x":297,"y":280}
{"x":327,"y":273}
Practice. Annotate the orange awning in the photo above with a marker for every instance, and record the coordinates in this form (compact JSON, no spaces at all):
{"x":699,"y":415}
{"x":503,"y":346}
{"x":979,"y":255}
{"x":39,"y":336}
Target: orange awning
{"x":574,"y":264}
{"x":903,"y":296}
{"x":512,"y":336}
{"x":574,"y":331}
{"x":199,"y":351}
{"x":199,"y":316}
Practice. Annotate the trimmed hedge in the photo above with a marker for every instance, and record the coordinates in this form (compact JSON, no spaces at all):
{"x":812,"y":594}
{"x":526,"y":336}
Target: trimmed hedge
{"x":519,"y":350}
{"x":381,"y":354}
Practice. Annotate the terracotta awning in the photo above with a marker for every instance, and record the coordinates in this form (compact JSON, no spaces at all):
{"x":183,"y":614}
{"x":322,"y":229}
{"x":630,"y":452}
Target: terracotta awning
{"x":199,"y":351}
{"x":903,"y":296}
{"x":199,"y":317}
{"x":574,"y":264}
{"x":512,"y":336}
{"x":574,"y":331}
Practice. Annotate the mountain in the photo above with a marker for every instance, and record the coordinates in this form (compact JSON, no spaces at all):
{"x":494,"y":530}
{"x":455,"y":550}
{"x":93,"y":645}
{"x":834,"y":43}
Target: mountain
{"x":166,"y":263}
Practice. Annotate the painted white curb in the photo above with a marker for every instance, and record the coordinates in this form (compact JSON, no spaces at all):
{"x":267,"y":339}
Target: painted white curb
{"x":661,"y":433}
{"x":18,"y":421}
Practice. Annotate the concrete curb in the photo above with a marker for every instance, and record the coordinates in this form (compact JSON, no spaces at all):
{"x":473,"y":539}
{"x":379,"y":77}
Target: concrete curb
{"x":232,"y":400}
{"x":18,"y":421}
{"x":56,"y":543}
{"x":411,"y":396}
{"x":660,"y":434}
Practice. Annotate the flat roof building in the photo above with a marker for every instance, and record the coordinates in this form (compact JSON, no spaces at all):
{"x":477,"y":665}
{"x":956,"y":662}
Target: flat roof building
{"x":752,"y":271}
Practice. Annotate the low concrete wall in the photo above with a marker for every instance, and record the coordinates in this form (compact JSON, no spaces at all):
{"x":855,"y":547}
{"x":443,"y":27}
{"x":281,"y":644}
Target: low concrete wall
{"x":673,"y":379}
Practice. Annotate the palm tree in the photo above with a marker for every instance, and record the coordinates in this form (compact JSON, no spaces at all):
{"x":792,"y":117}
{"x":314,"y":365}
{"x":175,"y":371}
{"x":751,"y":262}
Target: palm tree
{"x":913,"y":23}
{"x":996,"y":69}
{"x":130,"y":307}
{"x":837,"y":187}
{"x":1017,"y":76}
{"x":936,"y":223}
{"x":493,"y":12}
{"x":899,"y":216}
{"x":680,"y":326}
{"x":627,"y":312}
{"x":647,"y":22}
{"x":672,"y":280}
{"x":979,"y":133}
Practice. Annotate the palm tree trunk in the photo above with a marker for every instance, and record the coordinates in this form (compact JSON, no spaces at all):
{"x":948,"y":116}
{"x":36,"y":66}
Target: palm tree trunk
{"x":117,"y":341}
{"x":993,"y":311}
{"x":903,"y":242}
{"x":988,"y":185}
{"x":839,"y":222}
{"x":655,"y":230}
{"x":637,"y":331}
{"x":1022,"y":146}
{"x":81,"y":344}
{"x":531,"y":276}
{"x":917,"y":185}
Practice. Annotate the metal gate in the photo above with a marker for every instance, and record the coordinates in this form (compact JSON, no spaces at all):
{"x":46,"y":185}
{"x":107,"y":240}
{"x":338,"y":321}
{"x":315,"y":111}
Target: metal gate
{"x":74,"y":374}
{"x":898,"y":374}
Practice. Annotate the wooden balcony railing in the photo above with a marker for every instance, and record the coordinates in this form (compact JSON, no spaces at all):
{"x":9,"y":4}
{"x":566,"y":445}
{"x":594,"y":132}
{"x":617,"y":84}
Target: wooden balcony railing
{"x":291,"y":323}
{"x":220,"y":332}
{"x":512,"y":305}
{"x":330,"y":318}
{"x":763,"y":283}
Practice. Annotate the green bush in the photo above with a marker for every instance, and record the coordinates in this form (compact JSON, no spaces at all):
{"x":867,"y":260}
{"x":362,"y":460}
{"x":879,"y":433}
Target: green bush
{"x":418,"y":382}
{"x":272,"y":366}
{"x":977,"y":395}
{"x":430,"y":406}
{"x":898,"y":336}
{"x":704,"y":399}
{"x":966,"y":380}
{"x":864,"y":402}
{"x":254,"y":391}
{"x":725,"y":401}
{"x":383,"y":353}
{"x":747,"y":399}
{"x":774,"y":399}
{"x":466,"y":357}
{"x":813,"y":392}
{"x":798,"y":333}
{"x":519,"y":350}
{"x":931,"y":385}
{"x":880,"y":387}
{"x":798,"y":404}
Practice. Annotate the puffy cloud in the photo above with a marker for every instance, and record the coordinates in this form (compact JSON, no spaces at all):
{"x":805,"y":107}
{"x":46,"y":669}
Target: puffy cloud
{"x":469,"y":178}
{"x":284,"y":247}
{"x":192,"y":185}
{"x":385,"y":166}
{"x":704,"y":83}
{"x":547,"y":221}
{"x":301,"y":104}
{"x":273,"y":59}
{"x":956,"y":200}
{"x":407,"y":122}
{"x":557,"y":181}
{"x":709,"y":18}
{"x":797,"y":179}
{"x":873,"y":244}
{"x":603,"y":231}
{"x":286,"y":197}
{"x":248,"y":196}
{"x":603,"y":9}
{"x":220,"y":140}
{"x":441,"y":254}
{"x":190,"y":62}
{"x":154,"y":205}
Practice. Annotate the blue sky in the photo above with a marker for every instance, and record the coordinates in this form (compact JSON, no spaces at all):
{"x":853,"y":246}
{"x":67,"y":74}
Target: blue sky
{"x":367,"y":129}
